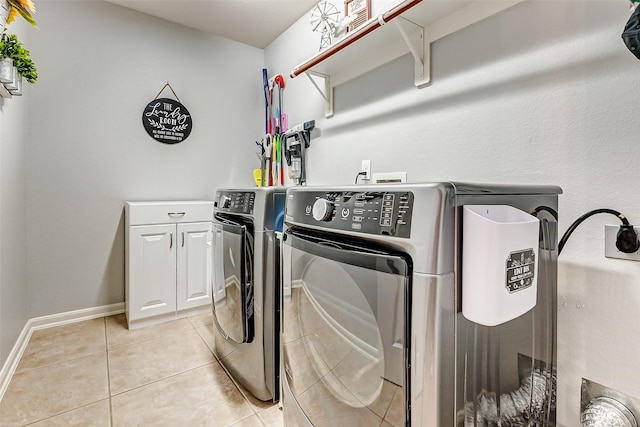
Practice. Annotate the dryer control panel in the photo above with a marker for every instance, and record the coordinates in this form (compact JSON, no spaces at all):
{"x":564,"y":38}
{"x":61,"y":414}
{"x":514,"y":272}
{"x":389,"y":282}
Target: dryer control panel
{"x":240,"y":202}
{"x":372,"y":212}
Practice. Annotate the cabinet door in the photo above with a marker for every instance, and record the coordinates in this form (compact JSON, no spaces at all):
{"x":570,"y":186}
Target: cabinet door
{"x":152,"y":270}
{"x":194,"y":265}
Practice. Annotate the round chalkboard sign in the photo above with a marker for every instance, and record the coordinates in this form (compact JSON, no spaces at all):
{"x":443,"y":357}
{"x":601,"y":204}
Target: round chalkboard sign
{"x":167,"y":121}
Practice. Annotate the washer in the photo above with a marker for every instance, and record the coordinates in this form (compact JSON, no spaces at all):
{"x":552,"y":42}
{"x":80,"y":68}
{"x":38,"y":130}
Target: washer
{"x":246,"y":259}
{"x":373,"y":332}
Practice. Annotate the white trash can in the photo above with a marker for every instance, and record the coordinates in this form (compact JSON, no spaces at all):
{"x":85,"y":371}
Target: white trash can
{"x":499,"y":263}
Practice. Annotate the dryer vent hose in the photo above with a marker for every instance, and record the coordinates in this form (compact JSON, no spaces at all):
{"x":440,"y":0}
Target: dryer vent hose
{"x":605,"y":411}
{"x":517,"y":408}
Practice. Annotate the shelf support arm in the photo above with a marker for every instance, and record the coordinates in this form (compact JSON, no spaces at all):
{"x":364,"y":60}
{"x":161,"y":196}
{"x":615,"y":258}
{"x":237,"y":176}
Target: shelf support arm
{"x":326,"y":92}
{"x":414,"y":36}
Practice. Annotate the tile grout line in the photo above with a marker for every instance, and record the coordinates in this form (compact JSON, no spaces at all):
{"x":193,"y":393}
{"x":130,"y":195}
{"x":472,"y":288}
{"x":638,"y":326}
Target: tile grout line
{"x":255,"y":410}
{"x":241,"y":391}
{"x":214,"y":363}
{"x":194,"y":329}
{"x":61,"y":413}
{"x":236,"y":423}
{"x":162,"y":379}
{"x":106,"y":349}
{"x":148,"y":339}
{"x":230,"y":377}
{"x":58,"y":363}
{"x":205,"y":342}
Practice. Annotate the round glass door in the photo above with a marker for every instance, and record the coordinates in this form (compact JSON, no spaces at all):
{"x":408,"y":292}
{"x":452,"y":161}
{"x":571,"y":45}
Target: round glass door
{"x":343,"y":335}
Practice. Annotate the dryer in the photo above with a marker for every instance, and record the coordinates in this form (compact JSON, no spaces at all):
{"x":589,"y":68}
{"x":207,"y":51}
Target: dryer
{"x":373,"y":331}
{"x":246,"y":259}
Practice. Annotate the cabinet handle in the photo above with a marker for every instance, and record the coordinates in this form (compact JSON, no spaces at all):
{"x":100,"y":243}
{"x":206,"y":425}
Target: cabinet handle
{"x":183,"y":239}
{"x":176,"y":213}
{"x":170,"y":240}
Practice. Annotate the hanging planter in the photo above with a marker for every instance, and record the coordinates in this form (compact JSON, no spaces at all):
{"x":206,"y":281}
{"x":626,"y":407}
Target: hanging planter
{"x":15,"y":87}
{"x":15,"y":60}
{"x":11,"y":84}
{"x":15,"y":63}
{"x":6,"y":70}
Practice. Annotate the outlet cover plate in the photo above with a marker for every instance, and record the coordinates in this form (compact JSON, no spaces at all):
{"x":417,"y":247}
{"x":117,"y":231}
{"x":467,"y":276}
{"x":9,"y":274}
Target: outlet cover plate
{"x":388,"y":177}
{"x":610,"y":250}
{"x":366,"y":168}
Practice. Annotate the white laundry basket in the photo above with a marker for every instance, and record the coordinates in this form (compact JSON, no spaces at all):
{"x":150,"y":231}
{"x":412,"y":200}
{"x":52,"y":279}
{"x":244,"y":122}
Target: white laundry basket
{"x":499,"y":263}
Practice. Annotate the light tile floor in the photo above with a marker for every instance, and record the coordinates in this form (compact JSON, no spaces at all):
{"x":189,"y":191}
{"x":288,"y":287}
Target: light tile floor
{"x":99,"y":373}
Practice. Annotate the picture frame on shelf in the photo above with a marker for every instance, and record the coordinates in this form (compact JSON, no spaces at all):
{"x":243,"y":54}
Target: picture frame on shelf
{"x":360,"y":10}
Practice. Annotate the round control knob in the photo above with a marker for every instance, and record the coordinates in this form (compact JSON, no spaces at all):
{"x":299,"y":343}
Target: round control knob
{"x":322,"y":210}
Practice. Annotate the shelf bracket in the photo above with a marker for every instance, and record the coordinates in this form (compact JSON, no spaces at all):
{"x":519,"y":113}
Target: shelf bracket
{"x":326,"y":92}
{"x":414,"y":36}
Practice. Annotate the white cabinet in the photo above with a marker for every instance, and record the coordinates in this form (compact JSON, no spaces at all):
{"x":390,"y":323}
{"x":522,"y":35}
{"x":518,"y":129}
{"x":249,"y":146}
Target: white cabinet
{"x":167,"y":261}
{"x":151,"y":279}
{"x":194,"y":265}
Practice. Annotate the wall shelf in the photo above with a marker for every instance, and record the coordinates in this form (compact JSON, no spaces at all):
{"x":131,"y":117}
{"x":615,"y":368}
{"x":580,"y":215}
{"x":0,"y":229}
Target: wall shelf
{"x":416,"y":24}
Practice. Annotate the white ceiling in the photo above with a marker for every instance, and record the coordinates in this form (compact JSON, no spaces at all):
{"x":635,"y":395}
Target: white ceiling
{"x":253,"y":22}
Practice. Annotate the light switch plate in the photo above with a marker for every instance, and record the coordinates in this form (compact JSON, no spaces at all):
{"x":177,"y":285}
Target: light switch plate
{"x":610,"y":250}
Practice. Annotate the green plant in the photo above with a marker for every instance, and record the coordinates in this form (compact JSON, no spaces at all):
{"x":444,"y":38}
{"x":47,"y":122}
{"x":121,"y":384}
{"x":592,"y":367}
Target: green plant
{"x":10,"y":47}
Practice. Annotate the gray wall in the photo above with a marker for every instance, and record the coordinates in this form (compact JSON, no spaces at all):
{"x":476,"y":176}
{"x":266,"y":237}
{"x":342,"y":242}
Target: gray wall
{"x":544,"y":92}
{"x":14,"y":304}
{"x":99,"y":66}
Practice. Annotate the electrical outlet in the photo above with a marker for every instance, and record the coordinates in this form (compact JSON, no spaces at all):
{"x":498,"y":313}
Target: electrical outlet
{"x":366,"y":168}
{"x":610,"y":250}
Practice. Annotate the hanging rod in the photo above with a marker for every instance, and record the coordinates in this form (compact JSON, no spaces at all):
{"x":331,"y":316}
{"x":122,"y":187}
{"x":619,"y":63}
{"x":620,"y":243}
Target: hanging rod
{"x":360,"y":32}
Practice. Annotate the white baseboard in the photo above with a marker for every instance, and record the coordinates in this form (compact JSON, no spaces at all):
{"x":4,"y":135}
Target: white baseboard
{"x":11,"y":363}
{"x":44,"y":322}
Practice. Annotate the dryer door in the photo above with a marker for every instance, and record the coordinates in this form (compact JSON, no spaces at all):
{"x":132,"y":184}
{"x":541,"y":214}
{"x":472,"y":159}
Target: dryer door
{"x":233,"y":279}
{"x":345,"y":351}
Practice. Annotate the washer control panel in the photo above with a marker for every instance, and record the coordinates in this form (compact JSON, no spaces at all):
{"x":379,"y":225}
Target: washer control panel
{"x":235,"y":201}
{"x":371,"y":212}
